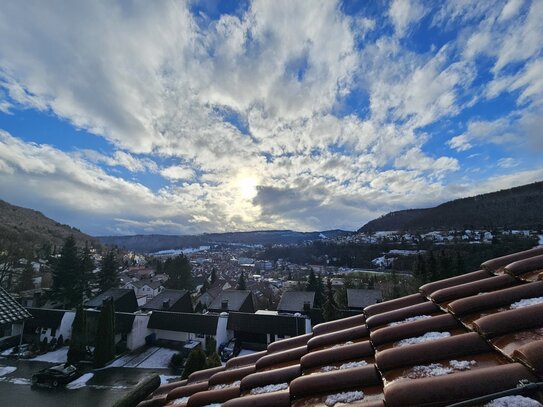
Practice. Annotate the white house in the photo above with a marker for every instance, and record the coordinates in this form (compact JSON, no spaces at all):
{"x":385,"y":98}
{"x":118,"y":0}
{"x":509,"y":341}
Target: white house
{"x":147,"y":288}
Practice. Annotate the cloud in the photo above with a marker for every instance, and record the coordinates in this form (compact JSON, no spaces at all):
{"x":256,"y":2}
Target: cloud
{"x":507,"y":162}
{"x":403,"y":13}
{"x":263,"y":98}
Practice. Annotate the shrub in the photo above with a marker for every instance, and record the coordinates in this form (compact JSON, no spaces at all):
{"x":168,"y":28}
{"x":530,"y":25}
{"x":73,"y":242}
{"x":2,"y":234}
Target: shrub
{"x":213,"y":360}
{"x":44,"y":345}
{"x":60,"y":341}
{"x":196,"y":361}
{"x":177,"y":360}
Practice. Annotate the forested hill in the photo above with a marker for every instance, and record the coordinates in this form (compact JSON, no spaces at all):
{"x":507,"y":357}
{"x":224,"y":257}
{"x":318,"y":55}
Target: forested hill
{"x":515,"y":208}
{"x":154,"y":243}
{"x":31,"y":229}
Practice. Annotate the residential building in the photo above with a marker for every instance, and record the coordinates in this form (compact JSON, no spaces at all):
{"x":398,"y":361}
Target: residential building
{"x":124,"y":299}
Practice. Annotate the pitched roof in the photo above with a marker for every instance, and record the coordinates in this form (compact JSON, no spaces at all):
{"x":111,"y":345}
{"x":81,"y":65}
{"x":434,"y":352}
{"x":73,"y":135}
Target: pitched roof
{"x":293,"y":301}
{"x":361,"y":298}
{"x":124,"y":298}
{"x":205,"y":324}
{"x":123,"y":321}
{"x":171,"y":296}
{"x":10,"y":310}
{"x":45,"y":318}
{"x":433,"y":348}
{"x":269,"y":324}
{"x":235,"y":298}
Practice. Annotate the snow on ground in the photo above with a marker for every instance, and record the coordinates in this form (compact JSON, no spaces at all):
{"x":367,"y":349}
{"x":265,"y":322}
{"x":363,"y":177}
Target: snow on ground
{"x":514,"y":401}
{"x":345,"y":397}
{"x":410,"y":319}
{"x":56,"y":356}
{"x":541,"y":240}
{"x":14,"y":380}
{"x":158,"y":360}
{"x":4,"y":370}
{"x":164,"y":379}
{"x":427,"y":337}
{"x":526,"y":302}
{"x":270,"y":388}
{"x":80,"y":382}
{"x":7,"y":352}
{"x":140,"y":357}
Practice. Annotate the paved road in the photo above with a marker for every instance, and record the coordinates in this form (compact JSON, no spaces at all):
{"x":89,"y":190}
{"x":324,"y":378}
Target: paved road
{"x":105,"y":387}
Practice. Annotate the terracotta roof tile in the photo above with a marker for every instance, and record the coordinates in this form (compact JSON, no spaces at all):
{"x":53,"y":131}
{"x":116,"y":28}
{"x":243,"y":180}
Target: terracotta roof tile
{"x":459,"y":338}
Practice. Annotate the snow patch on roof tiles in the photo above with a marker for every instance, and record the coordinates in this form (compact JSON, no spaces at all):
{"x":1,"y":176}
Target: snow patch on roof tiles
{"x":339,"y":345}
{"x":270,"y":388}
{"x":462,"y":364}
{"x":514,"y":401}
{"x":345,"y":397}
{"x":182,"y":400}
{"x":433,"y":369}
{"x":526,"y":302}
{"x":226,"y":385}
{"x":410,"y":319}
{"x":427,"y":337}
{"x":344,"y":366}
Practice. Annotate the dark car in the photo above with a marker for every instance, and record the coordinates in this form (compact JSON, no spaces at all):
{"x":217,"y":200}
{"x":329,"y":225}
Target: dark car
{"x":55,"y":376}
{"x":230,"y":349}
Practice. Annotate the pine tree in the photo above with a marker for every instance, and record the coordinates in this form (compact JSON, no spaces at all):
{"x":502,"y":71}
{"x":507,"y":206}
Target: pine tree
{"x":179,"y":272}
{"x":87,"y":267}
{"x":242,"y":285}
{"x":67,"y":276}
{"x":329,"y":310}
{"x":195,"y":362}
{"x":78,"y":342}
{"x":27,"y":278}
{"x":105,"y":335}
{"x":108,"y":275}
{"x":213,"y":276}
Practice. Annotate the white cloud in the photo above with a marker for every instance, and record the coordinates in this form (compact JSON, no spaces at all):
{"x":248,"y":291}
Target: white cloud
{"x":403,"y":13}
{"x":507,"y":162}
{"x":177,"y":172}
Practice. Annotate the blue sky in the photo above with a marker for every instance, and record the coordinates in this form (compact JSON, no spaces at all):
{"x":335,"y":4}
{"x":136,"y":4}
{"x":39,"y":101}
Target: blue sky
{"x":201,"y":116}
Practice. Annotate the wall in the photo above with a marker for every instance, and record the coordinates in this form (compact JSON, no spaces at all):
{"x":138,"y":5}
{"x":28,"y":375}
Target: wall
{"x":136,"y":338}
{"x":223,"y":335}
{"x":65,"y":328}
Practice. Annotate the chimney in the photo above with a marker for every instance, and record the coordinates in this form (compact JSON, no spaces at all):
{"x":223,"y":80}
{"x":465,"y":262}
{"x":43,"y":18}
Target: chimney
{"x":224,"y":304}
{"x":307,"y":305}
{"x":166,"y":303}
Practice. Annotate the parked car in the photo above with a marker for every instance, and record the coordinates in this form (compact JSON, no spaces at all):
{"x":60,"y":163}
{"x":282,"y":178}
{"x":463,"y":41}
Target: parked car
{"x":230,"y":349}
{"x":55,"y":376}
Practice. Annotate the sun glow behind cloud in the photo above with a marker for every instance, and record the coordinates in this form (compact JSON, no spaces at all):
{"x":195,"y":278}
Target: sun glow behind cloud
{"x":285,"y":114}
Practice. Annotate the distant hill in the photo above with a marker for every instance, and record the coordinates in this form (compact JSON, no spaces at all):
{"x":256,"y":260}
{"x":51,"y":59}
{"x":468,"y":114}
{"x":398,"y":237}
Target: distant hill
{"x":155,"y":243}
{"x":33,"y":229}
{"x":515,"y":208}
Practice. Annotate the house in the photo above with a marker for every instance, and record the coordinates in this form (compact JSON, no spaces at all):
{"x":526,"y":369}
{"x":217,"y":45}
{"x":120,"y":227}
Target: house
{"x":211,"y":293}
{"x":469,"y":339}
{"x":182,"y":327}
{"x":130,"y":328}
{"x":233,"y":300}
{"x":148,"y":288}
{"x":170,"y":300}
{"x":123,"y":298}
{"x":12,"y":318}
{"x":296,"y":301}
{"x":50,"y":323}
{"x":256,"y":331}
{"x":359,"y":298}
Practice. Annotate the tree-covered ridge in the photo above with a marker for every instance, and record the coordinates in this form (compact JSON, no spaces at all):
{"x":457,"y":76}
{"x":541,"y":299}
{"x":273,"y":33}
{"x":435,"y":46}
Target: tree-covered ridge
{"x":31,"y":229}
{"x":515,"y":208}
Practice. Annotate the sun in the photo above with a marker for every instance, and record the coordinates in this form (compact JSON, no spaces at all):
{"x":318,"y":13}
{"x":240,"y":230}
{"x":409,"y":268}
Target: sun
{"x":247,"y":187}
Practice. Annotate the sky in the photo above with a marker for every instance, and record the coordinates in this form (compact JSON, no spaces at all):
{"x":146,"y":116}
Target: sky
{"x":184,"y":117}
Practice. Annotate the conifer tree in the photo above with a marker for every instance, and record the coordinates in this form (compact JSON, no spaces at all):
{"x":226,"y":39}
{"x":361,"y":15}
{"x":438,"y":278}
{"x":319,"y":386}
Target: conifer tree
{"x":108,"y":276}
{"x":87,"y":267}
{"x":179,"y":272}
{"x":242,"y":285}
{"x":67,"y":276}
{"x":78,"y":342}
{"x":105,"y":335}
{"x":27,"y":278}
